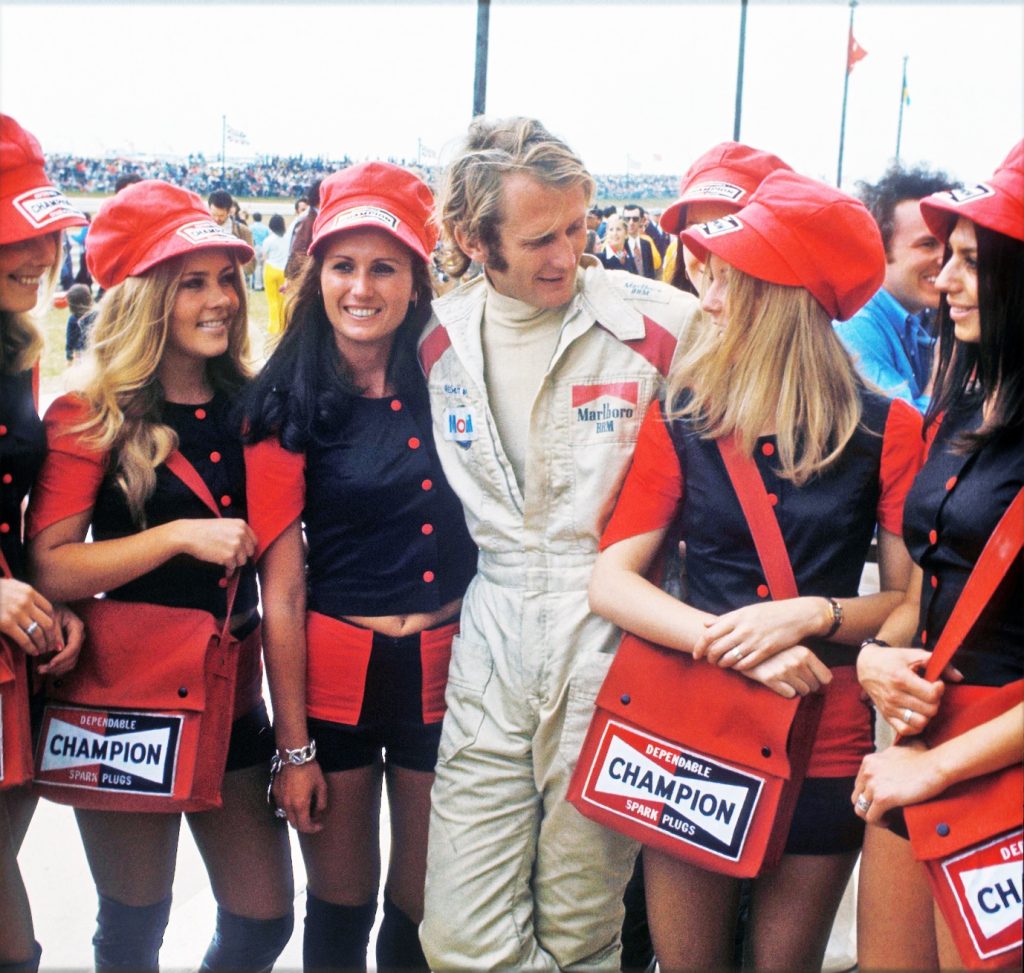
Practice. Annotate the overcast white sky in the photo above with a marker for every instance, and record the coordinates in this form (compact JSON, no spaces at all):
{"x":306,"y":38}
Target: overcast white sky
{"x":643,"y":86}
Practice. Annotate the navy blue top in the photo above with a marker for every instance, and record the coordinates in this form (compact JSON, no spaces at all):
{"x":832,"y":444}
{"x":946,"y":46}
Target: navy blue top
{"x":951,"y":511}
{"x":22,"y":448}
{"x":386,"y":535}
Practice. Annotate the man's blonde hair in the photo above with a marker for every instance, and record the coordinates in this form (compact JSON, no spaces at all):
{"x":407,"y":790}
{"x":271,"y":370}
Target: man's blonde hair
{"x":778,"y":357}
{"x":470,"y":193}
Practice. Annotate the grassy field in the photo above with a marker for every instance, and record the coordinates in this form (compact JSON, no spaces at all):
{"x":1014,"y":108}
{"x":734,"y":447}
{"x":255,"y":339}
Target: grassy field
{"x":54,"y":368}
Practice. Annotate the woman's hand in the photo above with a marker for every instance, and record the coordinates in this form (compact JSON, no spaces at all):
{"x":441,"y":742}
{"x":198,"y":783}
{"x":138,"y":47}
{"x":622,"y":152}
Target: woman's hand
{"x":26,"y":617}
{"x":890,"y":677}
{"x":227,"y":541}
{"x":301,"y":792}
{"x":746,"y":637}
{"x":795,"y":671}
{"x":70,"y":635}
{"x":900,"y":775}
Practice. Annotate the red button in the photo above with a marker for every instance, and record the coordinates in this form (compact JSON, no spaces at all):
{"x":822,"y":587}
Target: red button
{"x":3,"y":430}
{"x":8,"y":478}
{"x":225,"y":501}
{"x":428,"y":576}
{"x":768,"y":449}
{"x":924,"y":637}
{"x":427,"y":484}
{"x":427,"y":528}
{"x":414,"y":443}
{"x":5,"y":528}
{"x":396,"y":406}
{"x":933,"y":537}
{"x":935,"y":581}
{"x":762,"y":591}
{"x":950,"y":483}
{"x":772,"y":499}
{"x":200,"y":413}
{"x":223,"y":582}
{"x":215,"y":457}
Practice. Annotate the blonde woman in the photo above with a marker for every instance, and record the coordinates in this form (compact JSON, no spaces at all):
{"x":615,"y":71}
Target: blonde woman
{"x":32,"y":215}
{"x":836,"y":460}
{"x":169,"y":349}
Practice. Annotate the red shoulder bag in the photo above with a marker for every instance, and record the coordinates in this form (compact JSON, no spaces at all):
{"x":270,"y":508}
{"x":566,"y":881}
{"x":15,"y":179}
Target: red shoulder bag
{"x":15,"y":732}
{"x":697,"y":761}
{"x":143,"y":722}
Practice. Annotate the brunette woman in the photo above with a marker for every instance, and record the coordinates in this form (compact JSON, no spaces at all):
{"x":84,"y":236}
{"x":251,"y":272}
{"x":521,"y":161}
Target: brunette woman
{"x":975,"y":467}
{"x":835,"y":459}
{"x":32,"y":215}
{"x":169,"y":351}
{"x":359,"y":618}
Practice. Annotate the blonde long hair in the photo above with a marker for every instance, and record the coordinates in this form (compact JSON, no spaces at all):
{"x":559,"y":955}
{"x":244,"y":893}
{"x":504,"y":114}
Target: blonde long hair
{"x":125,"y":395}
{"x":778,"y":356}
{"x":21,"y":342}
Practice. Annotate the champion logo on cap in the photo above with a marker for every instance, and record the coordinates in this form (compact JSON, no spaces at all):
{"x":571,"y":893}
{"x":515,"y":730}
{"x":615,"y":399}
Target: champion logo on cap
{"x":970,"y":193}
{"x":364,"y":214}
{"x":719,"y":227}
{"x":44,"y":206}
{"x":717,"y":190}
{"x":199,"y":231}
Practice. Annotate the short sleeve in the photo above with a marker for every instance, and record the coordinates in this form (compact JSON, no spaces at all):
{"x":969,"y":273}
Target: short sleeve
{"x":653,"y":488}
{"x":275,"y":489}
{"x":72,"y":472}
{"x":903,"y":450}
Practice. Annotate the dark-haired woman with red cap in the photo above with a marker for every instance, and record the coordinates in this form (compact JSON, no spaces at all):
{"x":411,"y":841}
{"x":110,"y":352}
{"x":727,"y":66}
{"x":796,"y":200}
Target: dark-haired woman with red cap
{"x":769,"y":376}
{"x":364,"y":558}
{"x":974,"y":469}
{"x":136,"y":458}
{"x":33,"y":213}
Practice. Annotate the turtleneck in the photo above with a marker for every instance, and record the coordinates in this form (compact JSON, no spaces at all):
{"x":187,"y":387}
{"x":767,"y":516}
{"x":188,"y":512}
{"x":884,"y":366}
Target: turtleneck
{"x":518,"y":342}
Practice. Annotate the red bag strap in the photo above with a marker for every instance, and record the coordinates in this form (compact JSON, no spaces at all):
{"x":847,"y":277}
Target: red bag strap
{"x":5,"y":568}
{"x":996,"y":557}
{"x":189,"y":475}
{"x":764,"y":526}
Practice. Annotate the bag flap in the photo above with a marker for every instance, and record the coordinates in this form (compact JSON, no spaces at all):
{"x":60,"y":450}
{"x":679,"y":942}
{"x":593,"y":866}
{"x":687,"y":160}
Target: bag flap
{"x":6,"y":662}
{"x":139,"y":656}
{"x":700,"y":706}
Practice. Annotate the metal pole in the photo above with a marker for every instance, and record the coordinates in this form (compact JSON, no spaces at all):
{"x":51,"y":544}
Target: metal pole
{"x":903,"y":97}
{"x":846,"y":89}
{"x":483,"y":17}
{"x":739,"y":72}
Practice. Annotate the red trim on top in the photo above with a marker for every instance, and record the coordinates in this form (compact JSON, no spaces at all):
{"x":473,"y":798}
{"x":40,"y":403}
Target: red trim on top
{"x":433,"y":347}
{"x":658,"y":345}
{"x":35,"y":385}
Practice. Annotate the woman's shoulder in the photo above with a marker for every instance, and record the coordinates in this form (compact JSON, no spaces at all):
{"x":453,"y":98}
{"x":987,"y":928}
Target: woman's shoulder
{"x":68,"y":411}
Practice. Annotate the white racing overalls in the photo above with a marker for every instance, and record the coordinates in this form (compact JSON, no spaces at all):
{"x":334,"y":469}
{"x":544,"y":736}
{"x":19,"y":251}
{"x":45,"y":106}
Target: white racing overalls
{"x":516,"y":877}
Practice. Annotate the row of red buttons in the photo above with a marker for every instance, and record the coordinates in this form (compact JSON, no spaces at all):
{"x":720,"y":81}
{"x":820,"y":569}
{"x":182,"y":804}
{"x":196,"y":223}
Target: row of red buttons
{"x":7,"y":479}
{"x":414,"y":443}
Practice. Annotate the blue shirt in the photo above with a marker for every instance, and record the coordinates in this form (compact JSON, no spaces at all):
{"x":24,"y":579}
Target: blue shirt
{"x":891,"y":347}
{"x":259,"y":233}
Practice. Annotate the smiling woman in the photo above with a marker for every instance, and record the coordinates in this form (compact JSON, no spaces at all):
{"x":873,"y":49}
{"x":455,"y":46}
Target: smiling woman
{"x":137,"y":458}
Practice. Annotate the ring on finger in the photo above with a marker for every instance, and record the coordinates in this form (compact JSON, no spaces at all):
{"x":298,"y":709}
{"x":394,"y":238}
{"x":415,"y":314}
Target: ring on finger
{"x":32,"y":628}
{"x":863,"y":804}
{"x":908,"y":715}
{"x":737,"y":654}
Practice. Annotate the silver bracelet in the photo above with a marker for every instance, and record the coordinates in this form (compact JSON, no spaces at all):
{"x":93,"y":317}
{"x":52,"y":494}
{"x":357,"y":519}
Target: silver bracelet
{"x":292,"y":758}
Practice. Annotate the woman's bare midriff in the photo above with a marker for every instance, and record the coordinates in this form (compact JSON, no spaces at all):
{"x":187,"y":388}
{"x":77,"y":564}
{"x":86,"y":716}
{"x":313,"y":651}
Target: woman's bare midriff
{"x":396,"y":626}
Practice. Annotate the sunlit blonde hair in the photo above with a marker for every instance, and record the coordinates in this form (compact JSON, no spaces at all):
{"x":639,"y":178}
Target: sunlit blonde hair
{"x":126,"y":345}
{"x":470,"y":193}
{"x":780,"y":359}
{"x":21,"y":342}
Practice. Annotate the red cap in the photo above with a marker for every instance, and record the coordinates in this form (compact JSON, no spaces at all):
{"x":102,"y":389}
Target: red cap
{"x":381,"y":195}
{"x":30,"y":205}
{"x":997,"y":204}
{"x":726,"y":174}
{"x":147,"y":223}
{"x":800,"y":232}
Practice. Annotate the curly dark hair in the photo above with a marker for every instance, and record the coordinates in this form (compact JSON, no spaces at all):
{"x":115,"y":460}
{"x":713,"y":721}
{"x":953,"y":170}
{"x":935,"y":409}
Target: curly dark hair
{"x":896,"y":185}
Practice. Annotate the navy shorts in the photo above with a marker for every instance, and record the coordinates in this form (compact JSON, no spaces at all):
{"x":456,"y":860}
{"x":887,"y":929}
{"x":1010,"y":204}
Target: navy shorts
{"x":825,"y":822}
{"x":391,"y":725}
{"x":252,"y":740}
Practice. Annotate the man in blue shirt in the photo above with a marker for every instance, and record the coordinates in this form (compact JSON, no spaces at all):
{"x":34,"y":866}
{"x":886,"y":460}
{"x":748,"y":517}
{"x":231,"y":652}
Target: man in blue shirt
{"x":891,"y":336}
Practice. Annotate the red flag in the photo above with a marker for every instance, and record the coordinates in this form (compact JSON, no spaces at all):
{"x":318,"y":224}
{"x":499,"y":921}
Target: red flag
{"x":854,"y":53}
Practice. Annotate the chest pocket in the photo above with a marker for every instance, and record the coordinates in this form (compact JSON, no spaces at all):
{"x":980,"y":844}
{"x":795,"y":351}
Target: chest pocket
{"x":605,"y":410}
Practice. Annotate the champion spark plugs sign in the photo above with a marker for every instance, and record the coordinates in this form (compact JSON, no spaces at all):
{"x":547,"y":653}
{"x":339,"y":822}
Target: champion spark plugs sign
{"x":109,"y":750}
{"x":685,"y":795}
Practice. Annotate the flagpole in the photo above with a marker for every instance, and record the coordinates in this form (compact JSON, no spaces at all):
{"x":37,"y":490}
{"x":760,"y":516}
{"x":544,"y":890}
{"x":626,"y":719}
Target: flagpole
{"x":903,"y":98}
{"x":223,"y":142}
{"x":846,"y":90}
{"x":739,"y":72}
{"x":483,"y":20}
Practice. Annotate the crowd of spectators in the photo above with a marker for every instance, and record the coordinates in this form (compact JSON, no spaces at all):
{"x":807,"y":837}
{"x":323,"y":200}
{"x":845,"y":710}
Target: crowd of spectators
{"x":279,"y":176}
